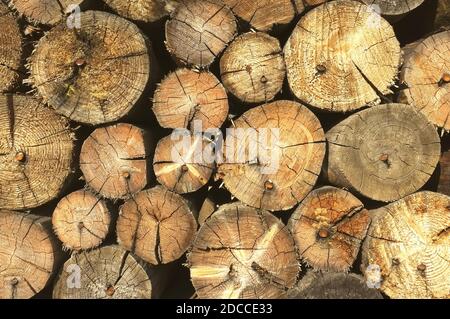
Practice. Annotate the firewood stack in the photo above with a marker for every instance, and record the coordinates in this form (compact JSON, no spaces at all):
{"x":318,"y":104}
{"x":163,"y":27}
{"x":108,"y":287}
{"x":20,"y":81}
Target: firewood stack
{"x":224,"y":149}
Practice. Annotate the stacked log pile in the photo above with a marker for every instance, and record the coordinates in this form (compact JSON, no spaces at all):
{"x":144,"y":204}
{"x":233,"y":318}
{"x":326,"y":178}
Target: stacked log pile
{"x":263,"y":149}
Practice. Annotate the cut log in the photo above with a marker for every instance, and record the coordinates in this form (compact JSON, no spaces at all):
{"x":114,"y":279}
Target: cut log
{"x":157,"y":225}
{"x":142,"y":10}
{"x":426,"y":72}
{"x":114,"y":160}
{"x":107,"y":273}
{"x":95,"y":74}
{"x":45,"y":11}
{"x":184,"y":164}
{"x":186,"y":97}
{"x":10,"y":49}
{"x":317,"y":285}
{"x":252,"y":67}
{"x":339,"y":60}
{"x":328,"y":228}
{"x":443,"y":15}
{"x":393,"y":7}
{"x":36,"y":153}
{"x":199,"y":30}
{"x":241,"y":252}
{"x":409,"y":242}
{"x":206,"y":211}
{"x":29,"y":254}
{"x":444,"y":176}
{"x":384,"y":153}
{"x":274,"y":154}
{"x":81,"y":220}
{"x":262,"y":15}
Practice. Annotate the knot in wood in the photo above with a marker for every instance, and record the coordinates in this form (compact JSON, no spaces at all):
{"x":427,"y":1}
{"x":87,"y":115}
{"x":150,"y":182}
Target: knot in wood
{"x":80,"y":225}
{"x":421,"y":267}
{"x":20,"y":157}
{"x":184,"y":168}
{"x":321,"y":68}
{"x":395,"y":261}
{"x":126,"y":175}
{"x":445,"y":79}
{"x":80,"y":62}
{"x":268,"y":185}
{"x":324,"y":233}
{"x":14,"y":282}
{"x":110,"y":291}
{"x":264,"y":80}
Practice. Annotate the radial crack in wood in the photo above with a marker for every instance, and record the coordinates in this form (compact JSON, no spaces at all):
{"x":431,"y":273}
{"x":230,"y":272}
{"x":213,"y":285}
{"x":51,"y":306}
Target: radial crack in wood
{"x":409,"y":241}
{"x":241,"y":252}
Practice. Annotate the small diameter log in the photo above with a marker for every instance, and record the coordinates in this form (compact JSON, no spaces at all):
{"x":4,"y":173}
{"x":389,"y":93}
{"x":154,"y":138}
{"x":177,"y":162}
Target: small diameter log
{"x":94,"y":74}
{"x":408,"y":243}
{"x":384,"y":153}
{"x":318,"y":285}
{"x":49,"y":12}
{"x":274,"y":154}
{"x":81,"y":221}
{"x":262,"y":15}
{"x":241,"y":252}
{"x":199,"y":30}
{"x":10,"y":49}
{"x":341,"y":57}
{"x":107,"y":273}
{"x":184,"y":164}
{"x":426,"y":72}
{"x":36,"y":153}
{"x":328,"y":228}
{"x":114,"y":160}
{"x":142,"y":10}
{"x":29,"y":254}
{"x":156,"y":225}
{"x":186,"y":97}
{"x":393,"y":7}
{"x":252,"y":67}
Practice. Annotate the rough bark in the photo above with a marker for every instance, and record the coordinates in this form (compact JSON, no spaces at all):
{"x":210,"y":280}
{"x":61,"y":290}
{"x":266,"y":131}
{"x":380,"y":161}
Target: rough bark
{"x":341,"y":57}
{"x":114,"y":160}
{"x":384,"y":153}
{"x":199,"y":30}
{"x":94,"y":74}
{"x":276,"y":173}
{"x":328,"y":228}
{"x":81,"y":221}
{"x":184,"y":164}
{"x":10,"y":49}
{"x":262,"y":15}
{"x":107,"y":273}
{"x":241,"y":252}
{"x":409,"y":241}
{"x":142,"y":10}
{"x":252,"y":68}
{"x":157,"y":225}
{"x":186,"y":97}
{"x":29,"y":254}
{"x":45,"y":11}
{"x":426,"y":73}
{"x":316,"y":285}
{"x":36,"y":153}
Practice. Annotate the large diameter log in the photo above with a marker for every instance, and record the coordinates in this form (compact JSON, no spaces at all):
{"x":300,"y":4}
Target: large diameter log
{"x":157,"y":225}
{"x":241,"y":252}
{"x":199,"y":30}
{"x":341,"y":56}
{"x":10,"y":49}
{"x":328,"y":228}
{"x":274,"y":154}
{"x":81,"y":220}
{"x":318,"y":285}
{"x":114,"y":160}
{"x":186,"y":97}
{"x":409,"y":244}
{"x":29,"y":254}
{"x":384,"y":153}
{"x":107,"y":273}
{"x":94,"y":74}
{"x":262,"y":15}
{"x":36,"y":153}
{"x":426,"y":73}
{"x":142,"y":10}
{"x":184,"y":164}
{"x":252,"y":67}
{"x":45,"y":11}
